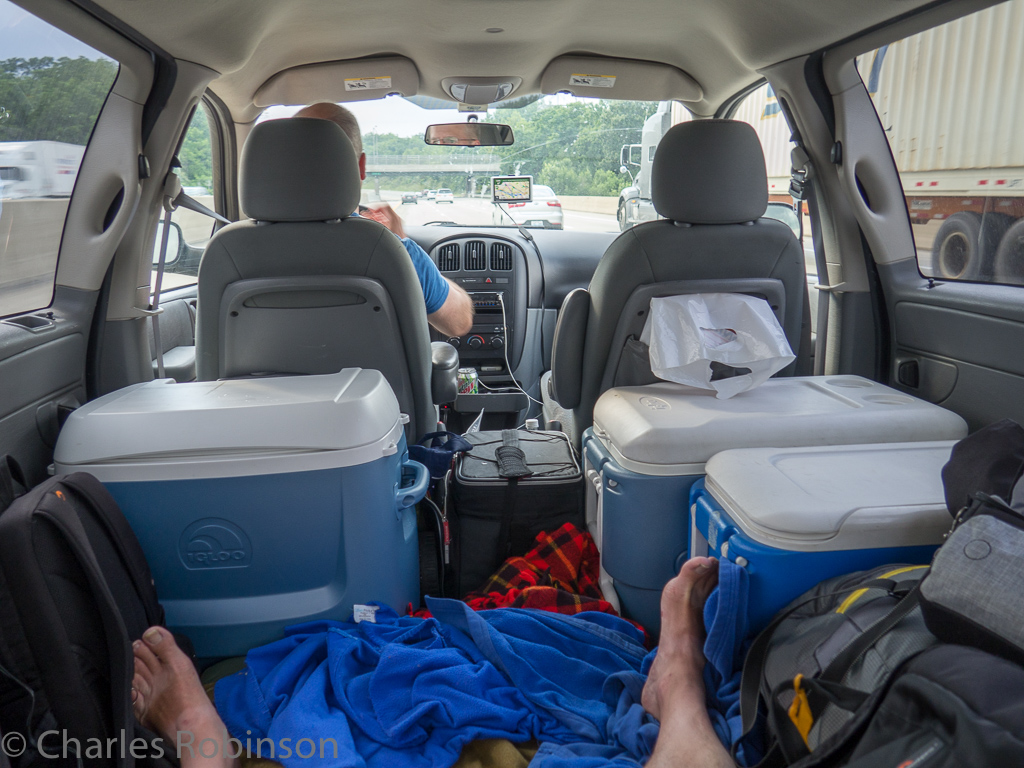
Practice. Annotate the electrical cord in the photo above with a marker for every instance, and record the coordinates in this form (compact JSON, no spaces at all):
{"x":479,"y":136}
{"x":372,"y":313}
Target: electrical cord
{"x":543,"y":281}
{"x":508,"y":365}
{"x":439,"y":519}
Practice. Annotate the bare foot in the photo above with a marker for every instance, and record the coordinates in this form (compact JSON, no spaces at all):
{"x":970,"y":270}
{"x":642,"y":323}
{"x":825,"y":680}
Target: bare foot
{"x":674,"y":692}
{"x":676,"y":672}
{"x":168,"y":698}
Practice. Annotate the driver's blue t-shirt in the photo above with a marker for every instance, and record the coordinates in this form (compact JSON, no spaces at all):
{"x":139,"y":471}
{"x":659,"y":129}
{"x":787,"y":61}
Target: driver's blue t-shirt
{"x":434,"y":286}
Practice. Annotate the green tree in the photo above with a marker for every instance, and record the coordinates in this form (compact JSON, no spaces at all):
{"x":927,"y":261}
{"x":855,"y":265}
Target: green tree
{"x":46,"y":99}
{"x":196,"y":153}
{"x":573,"y":148}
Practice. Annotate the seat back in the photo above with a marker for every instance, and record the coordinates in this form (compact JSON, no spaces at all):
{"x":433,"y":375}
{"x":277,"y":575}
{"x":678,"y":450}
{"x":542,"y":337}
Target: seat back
{"x":708,"y":180}
{"x":303,"y":287}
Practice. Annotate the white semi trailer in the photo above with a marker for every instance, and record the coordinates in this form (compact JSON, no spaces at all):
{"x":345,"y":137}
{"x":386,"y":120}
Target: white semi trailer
{"x":957,"y":137}
{"x":38,"y":168}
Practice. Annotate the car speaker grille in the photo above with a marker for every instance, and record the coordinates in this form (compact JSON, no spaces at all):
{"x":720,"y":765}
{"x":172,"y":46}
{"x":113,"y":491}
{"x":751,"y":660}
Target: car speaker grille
{"x":476,"y":255}
{"x":501,"y":257}
{"x":448,"y":257}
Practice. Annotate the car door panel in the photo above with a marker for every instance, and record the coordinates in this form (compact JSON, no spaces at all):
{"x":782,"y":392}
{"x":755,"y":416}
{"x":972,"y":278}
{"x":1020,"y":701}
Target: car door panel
{"x":42,"y":373}
{"x":957,"y":344}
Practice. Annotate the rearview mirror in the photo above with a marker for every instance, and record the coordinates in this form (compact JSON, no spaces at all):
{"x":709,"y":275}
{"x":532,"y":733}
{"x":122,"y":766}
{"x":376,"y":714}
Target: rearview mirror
{"x":469,"y":135}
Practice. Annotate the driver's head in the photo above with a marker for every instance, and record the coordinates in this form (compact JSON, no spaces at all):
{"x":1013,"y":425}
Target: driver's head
{"x":345,"y":120}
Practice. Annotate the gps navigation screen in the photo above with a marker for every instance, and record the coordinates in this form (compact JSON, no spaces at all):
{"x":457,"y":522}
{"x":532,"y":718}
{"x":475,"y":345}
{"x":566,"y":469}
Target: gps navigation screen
{"x":512,"y":189}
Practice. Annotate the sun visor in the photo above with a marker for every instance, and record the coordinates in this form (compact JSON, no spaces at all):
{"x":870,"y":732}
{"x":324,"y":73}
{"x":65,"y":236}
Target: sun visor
{"x":606,"y":78}
{"x":336,"y":81}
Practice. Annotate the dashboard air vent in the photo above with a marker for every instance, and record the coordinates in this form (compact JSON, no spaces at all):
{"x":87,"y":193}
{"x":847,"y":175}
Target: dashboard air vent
{"x":448,"y":257}
{"x":501,"y":257}
{"x":476,"y":255}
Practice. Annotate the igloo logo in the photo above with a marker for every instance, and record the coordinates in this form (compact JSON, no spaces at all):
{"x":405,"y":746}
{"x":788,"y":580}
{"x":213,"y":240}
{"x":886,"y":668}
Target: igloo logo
{"x":214,"y":543}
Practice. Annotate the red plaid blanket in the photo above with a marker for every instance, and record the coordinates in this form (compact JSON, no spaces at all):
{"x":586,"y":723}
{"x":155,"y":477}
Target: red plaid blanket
{"x":559,"y":574}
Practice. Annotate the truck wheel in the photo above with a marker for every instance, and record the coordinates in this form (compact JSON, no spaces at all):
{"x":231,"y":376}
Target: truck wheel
{"x":1009,"y":261}
{"x":955,"y":251}
{"x":621,"y":216}
{"x":965,"y":245}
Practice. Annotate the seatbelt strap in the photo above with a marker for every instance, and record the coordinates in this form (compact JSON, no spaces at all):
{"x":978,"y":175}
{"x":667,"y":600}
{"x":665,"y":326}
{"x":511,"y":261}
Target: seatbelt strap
{"x":172,"y":187}
{"x":173,"y":198}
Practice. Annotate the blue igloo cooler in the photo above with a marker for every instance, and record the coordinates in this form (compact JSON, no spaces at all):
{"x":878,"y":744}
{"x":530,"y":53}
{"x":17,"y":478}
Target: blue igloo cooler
{"x":649,"y":445}
{"x":794,"y":517}
{"x":259,"y":503}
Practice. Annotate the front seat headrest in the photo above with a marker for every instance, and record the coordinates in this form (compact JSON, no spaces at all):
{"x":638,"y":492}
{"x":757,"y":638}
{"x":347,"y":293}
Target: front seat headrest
{"x":710,"y":172}
{"x":299,"y":169}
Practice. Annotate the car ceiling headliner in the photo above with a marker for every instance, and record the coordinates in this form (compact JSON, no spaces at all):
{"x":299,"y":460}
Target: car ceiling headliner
{"x":721,"y":43}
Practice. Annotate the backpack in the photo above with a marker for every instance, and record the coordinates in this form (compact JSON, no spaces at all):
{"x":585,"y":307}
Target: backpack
{"x":851,"y":631}
{"x":947,"y":707}
{"x":75,"y":591}
{"x":971,"y":595}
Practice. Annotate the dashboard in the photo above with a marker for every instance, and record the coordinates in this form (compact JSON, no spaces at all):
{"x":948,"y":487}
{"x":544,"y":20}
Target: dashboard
{"x":517,"y":285}
{"x":492,"y":270}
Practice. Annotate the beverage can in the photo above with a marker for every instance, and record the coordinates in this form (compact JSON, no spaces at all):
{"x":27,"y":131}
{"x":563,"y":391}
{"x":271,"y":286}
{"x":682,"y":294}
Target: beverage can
{"x":468,"y":381}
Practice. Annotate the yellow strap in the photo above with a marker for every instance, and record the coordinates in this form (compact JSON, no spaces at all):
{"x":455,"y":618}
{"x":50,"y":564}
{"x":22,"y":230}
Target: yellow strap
{"x":800,"y":710}
{"x":845,"y":605}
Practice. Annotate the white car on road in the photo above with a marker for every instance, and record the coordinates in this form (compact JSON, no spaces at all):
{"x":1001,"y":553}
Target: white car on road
{"x":444,"y":196}
{"x":543,"y":211}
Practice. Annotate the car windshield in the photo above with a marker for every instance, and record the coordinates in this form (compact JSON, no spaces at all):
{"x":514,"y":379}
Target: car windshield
{"x":571,"y":147}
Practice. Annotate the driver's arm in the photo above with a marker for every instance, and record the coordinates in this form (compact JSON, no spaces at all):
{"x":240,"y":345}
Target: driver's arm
{"x":455,"y":317}
{"x":449,"y":308}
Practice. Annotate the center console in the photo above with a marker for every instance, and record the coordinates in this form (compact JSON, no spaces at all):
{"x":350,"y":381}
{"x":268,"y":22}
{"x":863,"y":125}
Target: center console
{"x":492,"y":270}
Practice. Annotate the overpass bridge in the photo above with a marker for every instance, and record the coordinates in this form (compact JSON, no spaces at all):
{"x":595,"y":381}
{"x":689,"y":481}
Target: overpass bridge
{"x":468,"y":164}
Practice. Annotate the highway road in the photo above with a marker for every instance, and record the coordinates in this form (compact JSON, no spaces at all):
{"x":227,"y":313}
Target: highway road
{"x":476,"y":212}
{"x":30,"y":238}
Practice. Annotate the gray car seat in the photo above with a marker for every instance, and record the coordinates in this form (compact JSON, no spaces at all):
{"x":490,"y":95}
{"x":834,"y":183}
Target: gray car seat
{"x":302,"y":287}
{"x":708,"y":180}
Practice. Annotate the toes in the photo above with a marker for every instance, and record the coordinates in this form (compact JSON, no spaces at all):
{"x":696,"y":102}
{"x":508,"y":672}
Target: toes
{"x":159,"y":641}
{"x":698,"y":566}
{"x":142,"y":671}
{"x":141,"y":690}
{"x":144,"y":654}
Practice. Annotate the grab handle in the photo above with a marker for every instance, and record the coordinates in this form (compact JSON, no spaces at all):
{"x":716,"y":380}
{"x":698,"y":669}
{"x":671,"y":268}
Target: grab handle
{"x":408,"y":495}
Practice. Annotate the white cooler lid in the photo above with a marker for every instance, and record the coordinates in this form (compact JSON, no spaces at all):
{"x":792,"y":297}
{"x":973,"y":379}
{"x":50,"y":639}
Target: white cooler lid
{"x":354,"y":411}
{"x":670,"y":429}
{"x":842,"y":497}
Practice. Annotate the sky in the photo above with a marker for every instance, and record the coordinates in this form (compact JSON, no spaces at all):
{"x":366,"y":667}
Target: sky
{"x":392,"y":114}
{"x":23,"y":36}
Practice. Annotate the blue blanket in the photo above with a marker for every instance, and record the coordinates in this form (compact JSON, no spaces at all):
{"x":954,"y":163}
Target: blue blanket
{"x":412,"y":692}
{"x":725,"y":619}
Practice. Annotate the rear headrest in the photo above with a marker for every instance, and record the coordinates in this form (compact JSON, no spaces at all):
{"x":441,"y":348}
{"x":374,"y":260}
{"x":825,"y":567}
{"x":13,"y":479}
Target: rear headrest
{"x":710,"y":172}
{"x":299,"y":169}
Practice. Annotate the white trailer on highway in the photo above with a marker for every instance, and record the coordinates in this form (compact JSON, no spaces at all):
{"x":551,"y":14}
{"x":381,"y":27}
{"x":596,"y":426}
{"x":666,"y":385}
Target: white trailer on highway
{"x":38,"y":168}
{"x":957,"y":137}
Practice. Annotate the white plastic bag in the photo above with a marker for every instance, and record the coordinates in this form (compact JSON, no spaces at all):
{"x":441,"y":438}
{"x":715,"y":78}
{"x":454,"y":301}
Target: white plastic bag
{"x":686,"y":334}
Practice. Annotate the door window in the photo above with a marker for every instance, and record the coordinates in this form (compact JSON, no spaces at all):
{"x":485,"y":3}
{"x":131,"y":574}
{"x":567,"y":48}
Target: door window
{"x":52,"y":88}
{"x":193,"y":230}
{"x":951,"y":102}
